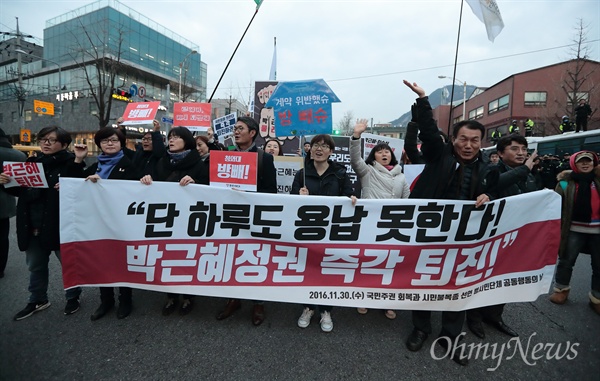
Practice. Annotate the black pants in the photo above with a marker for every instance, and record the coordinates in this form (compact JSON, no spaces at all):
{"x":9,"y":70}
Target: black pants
{"x":489,"y":313}
{"x":4,"y":230}
{"x":107,"y":294}
{"x":581,"y":123}
{"x":452,"y":322}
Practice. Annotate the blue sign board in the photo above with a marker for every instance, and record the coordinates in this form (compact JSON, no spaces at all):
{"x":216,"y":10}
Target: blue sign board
{"x":133,"y":90}
{"x":167,"y":120}
{"x":302,"y":108}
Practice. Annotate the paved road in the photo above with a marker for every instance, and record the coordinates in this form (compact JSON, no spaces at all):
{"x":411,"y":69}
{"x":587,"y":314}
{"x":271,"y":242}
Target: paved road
{"x":148,"y":346}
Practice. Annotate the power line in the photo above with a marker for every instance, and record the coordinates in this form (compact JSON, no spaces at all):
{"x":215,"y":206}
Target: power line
{"x":451,"y":65}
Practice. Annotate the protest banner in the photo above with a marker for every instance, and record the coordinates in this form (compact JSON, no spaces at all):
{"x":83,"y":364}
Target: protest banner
{"x":371,"y":140}
{"x":387,"y":254}
{"x":27,"y":174}
{"x":223,"y":126}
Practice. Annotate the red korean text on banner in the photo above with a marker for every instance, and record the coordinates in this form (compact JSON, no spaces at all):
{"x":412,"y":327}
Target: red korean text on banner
{"x":387,"y":254}
{"x":232,"y":169}
{"x":194,"y":116}
{"x":140,"y":113}
{"x":25,"y":174}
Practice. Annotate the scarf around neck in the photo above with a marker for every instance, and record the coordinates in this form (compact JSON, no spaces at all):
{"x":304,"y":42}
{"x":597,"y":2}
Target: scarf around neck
{"x":176,"y":157}
{"x":582,"y":207}
{"x":106,"y":163}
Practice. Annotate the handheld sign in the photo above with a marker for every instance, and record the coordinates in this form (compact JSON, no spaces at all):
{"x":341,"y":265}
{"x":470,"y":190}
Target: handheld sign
{"x":234,"y":170}
{"x":140,"y":113}
{"x":223,"y":126}
{"x":194,"y":116}
{"x":25,"y":174}
{"x":302,"y":107}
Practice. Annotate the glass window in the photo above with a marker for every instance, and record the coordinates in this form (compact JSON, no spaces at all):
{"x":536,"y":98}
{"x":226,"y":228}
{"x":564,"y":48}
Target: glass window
{"x":75,"y":107}
{"x":28,"y":115}
{"x":14,"y":116}
{"x":535,"y":98}
{"x":476,"y":113}
{"x":93,"y":108}
{"x":498,"y":104}
{"x":580,"y":95}
{"x":1,"y":117}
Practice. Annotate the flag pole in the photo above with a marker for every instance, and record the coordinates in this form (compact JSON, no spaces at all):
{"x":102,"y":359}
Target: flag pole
{"x":234,"y":51}
{"x":454,"y":71}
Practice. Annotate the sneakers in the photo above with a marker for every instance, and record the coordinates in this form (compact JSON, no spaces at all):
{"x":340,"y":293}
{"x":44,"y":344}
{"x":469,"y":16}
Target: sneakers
{"x":30,"y":309}
{"x":326,"y":322}
{"x":304,"y":320}
{"x":72,"y":306}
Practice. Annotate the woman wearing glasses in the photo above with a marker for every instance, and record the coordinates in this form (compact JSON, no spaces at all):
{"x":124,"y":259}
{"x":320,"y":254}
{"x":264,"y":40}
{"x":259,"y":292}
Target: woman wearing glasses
{"x":321,"y":177}
{"x":380,"y":176}
{"x":37,"y":219}
{"x":112,"y":164}
{"x":182,"y":164}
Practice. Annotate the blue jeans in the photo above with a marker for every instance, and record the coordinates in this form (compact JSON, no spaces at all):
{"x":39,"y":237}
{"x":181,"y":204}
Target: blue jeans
{"x":564,"y":270}
{"x":37,"y":261}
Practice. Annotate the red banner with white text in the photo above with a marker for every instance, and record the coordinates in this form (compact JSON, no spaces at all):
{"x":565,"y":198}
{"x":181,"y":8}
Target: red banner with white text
{"x":388,"y":254}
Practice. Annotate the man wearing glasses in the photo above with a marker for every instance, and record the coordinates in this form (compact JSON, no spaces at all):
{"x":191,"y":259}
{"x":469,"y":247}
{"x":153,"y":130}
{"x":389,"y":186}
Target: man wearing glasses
{"x":153,"y":148}
{"x":37,"y":219}
{"x":245,"y":131}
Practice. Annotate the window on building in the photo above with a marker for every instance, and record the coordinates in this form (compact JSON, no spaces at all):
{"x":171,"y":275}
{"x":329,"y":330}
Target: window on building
{"x":476,"y":113}
{"x":93,"y":108}
{"x":580,"y":95}
{"x":1,"y":117}
{"x":457,"y":119}
{"x":14,"y":116}
{"x":74,"y":107}
{"x":497,"y":104}
{"x":28,"y":115}
{"x":535,"y":98}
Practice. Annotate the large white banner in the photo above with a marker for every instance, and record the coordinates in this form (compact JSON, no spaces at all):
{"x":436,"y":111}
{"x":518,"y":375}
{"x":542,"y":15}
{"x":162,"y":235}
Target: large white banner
{"x":393,"y":254}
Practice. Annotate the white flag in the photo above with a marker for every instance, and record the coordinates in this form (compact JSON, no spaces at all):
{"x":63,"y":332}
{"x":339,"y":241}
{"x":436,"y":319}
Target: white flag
{"x":273,"y":73}
{"x":488,"y":12}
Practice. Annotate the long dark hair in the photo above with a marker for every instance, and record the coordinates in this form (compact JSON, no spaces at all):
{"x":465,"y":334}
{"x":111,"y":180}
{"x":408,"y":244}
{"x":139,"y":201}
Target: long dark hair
{"x":379,"y":147}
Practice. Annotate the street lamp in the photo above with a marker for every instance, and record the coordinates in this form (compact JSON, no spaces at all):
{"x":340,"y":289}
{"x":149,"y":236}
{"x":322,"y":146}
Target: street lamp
{"x":181,"y":69}
{"x":464,"y":94}
{"x":59,"y":79}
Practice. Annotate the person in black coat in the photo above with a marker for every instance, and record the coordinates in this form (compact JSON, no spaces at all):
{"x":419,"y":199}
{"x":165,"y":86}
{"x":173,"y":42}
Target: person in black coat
{"x":515,"y":178}
{"x":182,"y":164}
{"x":112,"y":164}
{"x":153,"y":149}
{"x":456,"y":170}
{"x":321,"y":177}
{"x":38,"y":219}
{"x":245,"y":132}
{"x":8,"y":207}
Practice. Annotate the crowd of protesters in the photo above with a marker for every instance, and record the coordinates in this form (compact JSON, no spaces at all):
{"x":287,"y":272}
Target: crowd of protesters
{"x":455,"y":168}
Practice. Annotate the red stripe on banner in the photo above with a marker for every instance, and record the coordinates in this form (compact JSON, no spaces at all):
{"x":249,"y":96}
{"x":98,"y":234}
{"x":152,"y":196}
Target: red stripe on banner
{"x":196,"y":262}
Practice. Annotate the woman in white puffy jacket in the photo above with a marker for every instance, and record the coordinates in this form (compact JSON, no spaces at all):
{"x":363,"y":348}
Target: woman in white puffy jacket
{"x":380,"y":175}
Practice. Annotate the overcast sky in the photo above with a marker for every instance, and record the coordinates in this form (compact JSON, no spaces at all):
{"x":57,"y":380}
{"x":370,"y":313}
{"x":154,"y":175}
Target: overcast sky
{"x":362,"y":49}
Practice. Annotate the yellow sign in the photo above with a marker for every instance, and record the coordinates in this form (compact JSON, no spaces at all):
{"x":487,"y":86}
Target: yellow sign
{"x":121,"y":98}
{"x":25,"y":136}
{"x":45,"y":108}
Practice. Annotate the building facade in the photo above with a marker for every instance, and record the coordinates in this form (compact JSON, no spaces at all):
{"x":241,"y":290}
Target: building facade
{"x":544,"y":94}
{"x":81,"y":50}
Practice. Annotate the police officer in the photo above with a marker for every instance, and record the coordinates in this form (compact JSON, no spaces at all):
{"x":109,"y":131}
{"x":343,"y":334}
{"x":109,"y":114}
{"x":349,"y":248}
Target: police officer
{"x":528,"y":124}
{"x":566,"y":125}
{"x":513,"y":128}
